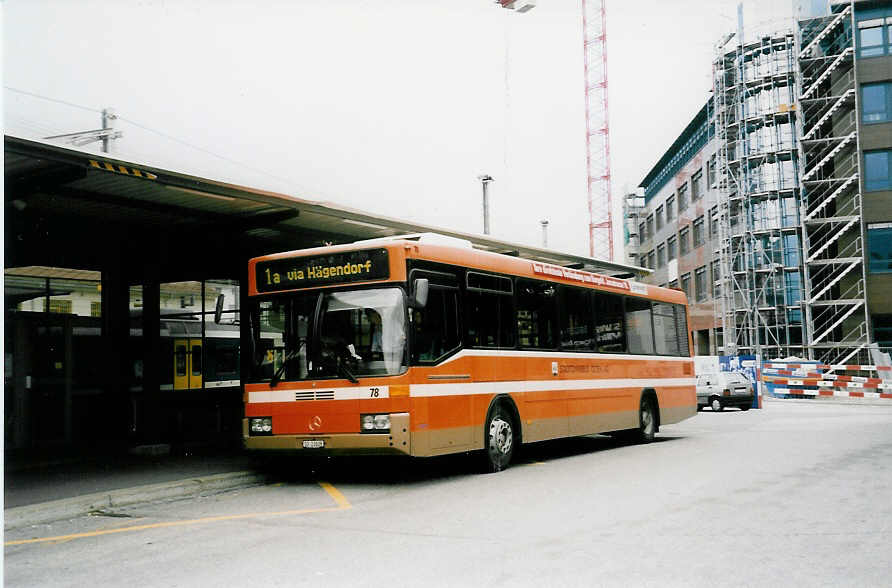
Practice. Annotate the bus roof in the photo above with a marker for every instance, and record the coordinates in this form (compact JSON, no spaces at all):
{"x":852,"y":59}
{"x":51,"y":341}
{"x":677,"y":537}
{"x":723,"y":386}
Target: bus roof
{"x":448,"y":250}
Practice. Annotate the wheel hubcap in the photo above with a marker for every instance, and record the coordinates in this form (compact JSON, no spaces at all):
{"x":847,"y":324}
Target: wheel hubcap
{"x":647,"y":419}
{"x":500,"y":436}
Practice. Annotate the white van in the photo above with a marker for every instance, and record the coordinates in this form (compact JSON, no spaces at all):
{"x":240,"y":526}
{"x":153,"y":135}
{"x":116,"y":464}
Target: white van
{"x":721,"y":389}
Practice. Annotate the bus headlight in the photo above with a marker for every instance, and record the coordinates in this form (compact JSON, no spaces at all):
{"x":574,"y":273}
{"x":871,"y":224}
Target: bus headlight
{"x":374,"y":423}
{"x":261,"y":426}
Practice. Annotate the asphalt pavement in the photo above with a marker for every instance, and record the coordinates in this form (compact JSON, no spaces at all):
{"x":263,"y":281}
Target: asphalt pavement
{"x":40,"y":489}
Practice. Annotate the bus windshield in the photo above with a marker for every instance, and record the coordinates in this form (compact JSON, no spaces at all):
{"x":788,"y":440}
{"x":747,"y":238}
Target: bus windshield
{"x":346,"y":334}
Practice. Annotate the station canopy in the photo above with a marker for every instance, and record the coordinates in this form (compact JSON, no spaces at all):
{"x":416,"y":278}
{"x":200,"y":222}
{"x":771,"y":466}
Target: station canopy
{"x":65,"y":207}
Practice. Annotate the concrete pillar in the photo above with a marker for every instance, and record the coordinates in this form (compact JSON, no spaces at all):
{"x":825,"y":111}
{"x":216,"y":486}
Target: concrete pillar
{"x":115,"y":340}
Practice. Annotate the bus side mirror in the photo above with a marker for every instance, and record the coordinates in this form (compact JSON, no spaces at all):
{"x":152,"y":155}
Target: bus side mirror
{"x":218,"y":310}
{"x":420,"y":289}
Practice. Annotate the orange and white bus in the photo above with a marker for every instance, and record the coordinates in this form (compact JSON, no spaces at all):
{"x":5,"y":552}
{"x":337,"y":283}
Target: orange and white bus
{"x":419,"y":347}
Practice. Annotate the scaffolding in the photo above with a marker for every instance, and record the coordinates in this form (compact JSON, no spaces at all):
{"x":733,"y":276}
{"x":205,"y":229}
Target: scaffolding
{"x":833,"y":238}
{"x":759,"y":285}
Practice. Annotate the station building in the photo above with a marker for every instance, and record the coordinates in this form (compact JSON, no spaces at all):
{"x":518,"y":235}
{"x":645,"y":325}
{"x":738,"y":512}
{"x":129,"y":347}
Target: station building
{"x":122,"y":285}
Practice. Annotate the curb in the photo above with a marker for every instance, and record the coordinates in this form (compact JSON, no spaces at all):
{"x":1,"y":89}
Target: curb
{"x":841,"y":400}
{"x":47,"y":512}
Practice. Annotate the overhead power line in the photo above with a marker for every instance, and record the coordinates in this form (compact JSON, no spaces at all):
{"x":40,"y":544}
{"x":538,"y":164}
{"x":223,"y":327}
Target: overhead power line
{"x":56,"y":100}
{"x":157,"y":132}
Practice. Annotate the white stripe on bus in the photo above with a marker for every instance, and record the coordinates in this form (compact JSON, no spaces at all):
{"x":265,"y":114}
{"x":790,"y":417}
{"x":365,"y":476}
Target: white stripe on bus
{"x":456,"y":389}
{"x":463,"y":388}
{"x":294,"y":394}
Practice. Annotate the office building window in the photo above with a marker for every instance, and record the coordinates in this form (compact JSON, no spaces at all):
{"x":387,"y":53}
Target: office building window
{"x":793,"y":288}
{"x":699,"y":232}
{"x":671,"y":248}
{"x":697,"y":186}
{"x":661,"y":255}
{"x":650,"y":226}
{"x":879,"y":247}
{"x":716,"y":272}
{"x":670,"y":208}
{"x":684,"y":241}
{"x":682,"y":198}
{"x":876,"y":102}
{"x":876,"y":170}
{"x":659,"y":217}
{"x":686,"y":284}
{"x":651,"y":261}
{"x":714,"y":222}
{"x":873,"y":37}
{"x":642,"y":236}
{"x":700,"y":284}
{"x":673,"y":284}
{"x":710,"y":171}
{"x":882,"y":329}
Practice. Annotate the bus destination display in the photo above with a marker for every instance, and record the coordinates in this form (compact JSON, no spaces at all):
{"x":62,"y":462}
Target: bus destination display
{"x":310,"y":272}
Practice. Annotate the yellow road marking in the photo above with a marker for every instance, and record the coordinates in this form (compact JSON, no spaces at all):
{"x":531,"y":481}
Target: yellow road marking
{"x":334,"y":493}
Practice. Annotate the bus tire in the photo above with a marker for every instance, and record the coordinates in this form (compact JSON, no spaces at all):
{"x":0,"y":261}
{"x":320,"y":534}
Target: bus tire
{"x":648,"y":419}
{"x":500,"y":439}
{"x":648,"y":422}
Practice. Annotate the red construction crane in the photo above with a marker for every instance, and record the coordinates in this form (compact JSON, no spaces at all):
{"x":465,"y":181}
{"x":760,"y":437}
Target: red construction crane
{"x":597,"y":122}
{"x":597,"y":128}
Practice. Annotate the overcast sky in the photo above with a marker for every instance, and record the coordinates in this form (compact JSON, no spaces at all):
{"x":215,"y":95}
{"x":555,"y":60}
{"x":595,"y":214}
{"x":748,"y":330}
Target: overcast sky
{"x":390,"y":106}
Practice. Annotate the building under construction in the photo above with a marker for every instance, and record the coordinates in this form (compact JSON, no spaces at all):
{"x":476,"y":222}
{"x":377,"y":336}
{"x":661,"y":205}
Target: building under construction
{"x":773,"y":207}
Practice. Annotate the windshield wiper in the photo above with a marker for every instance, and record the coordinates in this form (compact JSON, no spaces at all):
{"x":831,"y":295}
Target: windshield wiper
{"x":277,"y":377}
{"x":345,"y":371}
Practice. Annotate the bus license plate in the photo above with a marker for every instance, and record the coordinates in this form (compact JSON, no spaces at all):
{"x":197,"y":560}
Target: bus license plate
{"x":314,"y":443}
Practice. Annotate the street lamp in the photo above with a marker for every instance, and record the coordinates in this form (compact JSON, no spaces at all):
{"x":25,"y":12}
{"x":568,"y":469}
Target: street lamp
{"x":485,"y":179}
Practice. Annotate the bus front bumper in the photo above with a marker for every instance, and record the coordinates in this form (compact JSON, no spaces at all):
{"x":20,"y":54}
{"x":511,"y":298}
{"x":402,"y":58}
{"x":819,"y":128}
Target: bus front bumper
{"x":397,"y":441}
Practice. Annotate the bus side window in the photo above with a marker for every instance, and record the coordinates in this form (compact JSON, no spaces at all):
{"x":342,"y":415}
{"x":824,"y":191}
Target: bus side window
{"x":681,"y":326}
{"x":576,"y":319}
{"x":489,"y":316}
{"x":490,"y":319}
{"x":609,"y":329}
{"x":436,"y":326}
{"x":535,"y":314}
{"x":639,"y":326}
{"x":665,"y":331}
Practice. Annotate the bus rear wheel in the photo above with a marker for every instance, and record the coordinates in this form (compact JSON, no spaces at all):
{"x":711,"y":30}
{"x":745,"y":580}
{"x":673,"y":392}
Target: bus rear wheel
{"x":500,"y":440}
{"x":647,"y":424}
{"x":647,"y":419}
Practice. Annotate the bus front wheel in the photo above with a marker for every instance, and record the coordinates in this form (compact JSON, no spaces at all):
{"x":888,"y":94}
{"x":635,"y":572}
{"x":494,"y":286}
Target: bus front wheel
{"x":499,"y":441}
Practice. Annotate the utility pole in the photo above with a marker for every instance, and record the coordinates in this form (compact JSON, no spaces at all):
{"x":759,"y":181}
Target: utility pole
{"x":485,"y":179}
{"x":105,"y":134}
{"x":108,"y":115}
